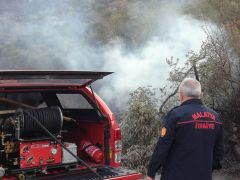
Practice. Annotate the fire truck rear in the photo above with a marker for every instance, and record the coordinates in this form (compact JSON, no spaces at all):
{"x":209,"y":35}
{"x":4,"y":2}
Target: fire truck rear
{"x":53,"y":126}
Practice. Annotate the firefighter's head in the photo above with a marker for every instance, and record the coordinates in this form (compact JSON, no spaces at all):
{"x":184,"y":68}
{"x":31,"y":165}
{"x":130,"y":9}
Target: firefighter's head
{"x":189,"y":88}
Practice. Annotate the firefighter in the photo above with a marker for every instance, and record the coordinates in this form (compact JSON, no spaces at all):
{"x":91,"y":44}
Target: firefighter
{"x":190,"y":145}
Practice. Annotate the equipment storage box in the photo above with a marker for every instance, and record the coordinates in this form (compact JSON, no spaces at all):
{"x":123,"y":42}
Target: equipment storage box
{"x":67,"y":157}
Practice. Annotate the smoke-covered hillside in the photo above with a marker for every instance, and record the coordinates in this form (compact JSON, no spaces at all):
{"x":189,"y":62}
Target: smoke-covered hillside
{"x":217,"y":65}
{"x":131,"y":38}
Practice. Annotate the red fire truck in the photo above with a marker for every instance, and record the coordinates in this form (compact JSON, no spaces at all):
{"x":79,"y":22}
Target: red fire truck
{"x":53,"y":126}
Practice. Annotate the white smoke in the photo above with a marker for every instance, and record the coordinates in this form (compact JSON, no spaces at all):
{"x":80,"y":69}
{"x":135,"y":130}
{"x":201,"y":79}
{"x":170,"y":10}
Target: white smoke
{"x":55,"y":34}
{"x":177,"y":34}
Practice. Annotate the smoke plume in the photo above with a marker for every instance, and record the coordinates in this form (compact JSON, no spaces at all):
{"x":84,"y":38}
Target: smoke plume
{"x":71,"y":34}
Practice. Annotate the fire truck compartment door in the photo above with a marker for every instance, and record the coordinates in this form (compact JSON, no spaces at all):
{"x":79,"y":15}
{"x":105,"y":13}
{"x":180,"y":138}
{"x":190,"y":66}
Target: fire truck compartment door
{"x":82,"y":78}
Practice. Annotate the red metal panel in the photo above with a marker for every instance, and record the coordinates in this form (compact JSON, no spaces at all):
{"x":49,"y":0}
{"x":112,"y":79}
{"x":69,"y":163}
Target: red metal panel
{"x":128,"y":177}
{"x":39,"y":153}
{"x":112,"y":121}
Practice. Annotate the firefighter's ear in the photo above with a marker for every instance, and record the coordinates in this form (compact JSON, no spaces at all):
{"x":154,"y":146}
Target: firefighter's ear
{"x":201,"y":95}
{"x":163,"y":132}
{"x":180,"y":97}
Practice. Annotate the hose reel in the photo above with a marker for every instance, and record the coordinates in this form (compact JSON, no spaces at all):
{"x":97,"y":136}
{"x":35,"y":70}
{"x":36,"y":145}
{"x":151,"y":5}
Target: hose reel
{"x":27,"y":128}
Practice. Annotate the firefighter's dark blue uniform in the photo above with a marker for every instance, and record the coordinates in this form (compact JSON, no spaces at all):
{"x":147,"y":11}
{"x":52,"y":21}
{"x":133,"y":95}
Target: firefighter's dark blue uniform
{"x":191,"y":144}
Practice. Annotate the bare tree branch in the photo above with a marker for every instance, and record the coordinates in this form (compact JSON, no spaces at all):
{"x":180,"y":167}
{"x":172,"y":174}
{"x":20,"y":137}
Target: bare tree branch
{"x":173,"y":94}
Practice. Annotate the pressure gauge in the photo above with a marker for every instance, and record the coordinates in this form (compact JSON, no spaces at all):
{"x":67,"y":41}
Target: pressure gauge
{"x":54,"y":151}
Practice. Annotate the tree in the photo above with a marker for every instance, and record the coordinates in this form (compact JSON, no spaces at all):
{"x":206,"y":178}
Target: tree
{"x":140,"y":128}
{"x":221,"y":12}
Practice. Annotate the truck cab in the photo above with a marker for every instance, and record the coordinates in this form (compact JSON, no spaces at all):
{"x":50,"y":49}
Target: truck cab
{"x":53,"y":126}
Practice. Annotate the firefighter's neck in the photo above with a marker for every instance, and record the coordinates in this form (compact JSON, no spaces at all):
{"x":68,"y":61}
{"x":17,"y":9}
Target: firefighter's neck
{"x":186,"y":98}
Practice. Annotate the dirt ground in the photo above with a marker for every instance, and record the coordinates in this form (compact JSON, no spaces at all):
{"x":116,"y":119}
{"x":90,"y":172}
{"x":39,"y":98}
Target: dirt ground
{"x":221,"y":175}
